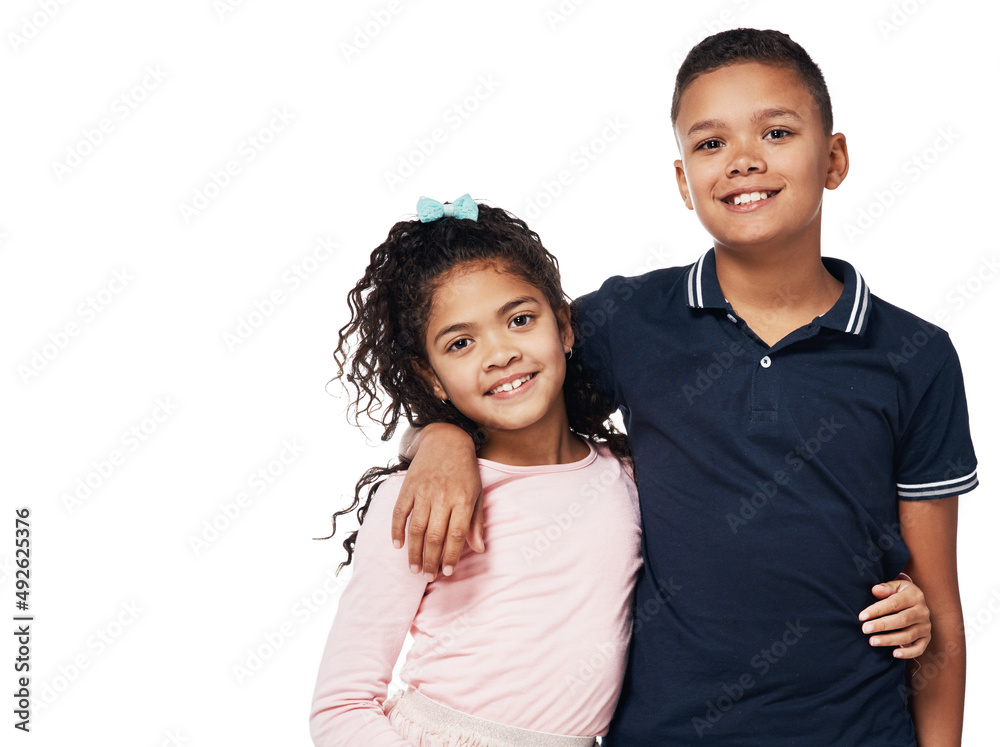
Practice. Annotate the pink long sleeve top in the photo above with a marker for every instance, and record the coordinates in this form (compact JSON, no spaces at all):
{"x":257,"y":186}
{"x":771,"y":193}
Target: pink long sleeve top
{"x":532,"y":633}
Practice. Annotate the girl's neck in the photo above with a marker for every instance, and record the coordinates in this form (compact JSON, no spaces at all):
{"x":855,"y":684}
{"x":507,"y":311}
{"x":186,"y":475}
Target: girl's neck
{"x":549,"y":441}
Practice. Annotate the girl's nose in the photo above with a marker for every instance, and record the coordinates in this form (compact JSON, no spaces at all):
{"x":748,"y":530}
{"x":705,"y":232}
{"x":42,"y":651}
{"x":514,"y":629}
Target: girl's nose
{"x":500,"y":354}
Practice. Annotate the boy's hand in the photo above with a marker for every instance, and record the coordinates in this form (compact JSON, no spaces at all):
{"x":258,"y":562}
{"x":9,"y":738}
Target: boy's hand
{"x":903,"y":611}
{"x":441,"y":495}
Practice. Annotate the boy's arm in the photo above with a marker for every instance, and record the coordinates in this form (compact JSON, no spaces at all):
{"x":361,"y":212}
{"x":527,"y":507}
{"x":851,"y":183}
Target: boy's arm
{"x":937,"y":687}
{"x":441,"y":497}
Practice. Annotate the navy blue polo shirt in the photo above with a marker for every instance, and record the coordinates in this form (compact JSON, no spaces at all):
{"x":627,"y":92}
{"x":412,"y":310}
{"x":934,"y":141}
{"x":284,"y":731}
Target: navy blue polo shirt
{"x":768,"y":483}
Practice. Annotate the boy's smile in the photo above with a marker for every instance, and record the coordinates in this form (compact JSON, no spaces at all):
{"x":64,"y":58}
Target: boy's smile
{"x":755,"y":159}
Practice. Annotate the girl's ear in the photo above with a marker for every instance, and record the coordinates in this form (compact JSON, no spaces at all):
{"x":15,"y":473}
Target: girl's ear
{"x":427,"y":373}
{"x":564,"y":318}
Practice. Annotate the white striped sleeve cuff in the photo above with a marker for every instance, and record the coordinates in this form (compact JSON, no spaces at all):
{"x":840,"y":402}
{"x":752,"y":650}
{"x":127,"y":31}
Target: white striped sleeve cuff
{"x":942,"y":489}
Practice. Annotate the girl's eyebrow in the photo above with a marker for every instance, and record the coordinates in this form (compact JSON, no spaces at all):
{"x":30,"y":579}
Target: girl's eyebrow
{"x":514,"y":303}
{"x":502,"y":311}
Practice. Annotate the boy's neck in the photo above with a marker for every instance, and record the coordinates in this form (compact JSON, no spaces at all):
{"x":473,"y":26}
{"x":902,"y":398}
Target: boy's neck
{"x":776,"y":291}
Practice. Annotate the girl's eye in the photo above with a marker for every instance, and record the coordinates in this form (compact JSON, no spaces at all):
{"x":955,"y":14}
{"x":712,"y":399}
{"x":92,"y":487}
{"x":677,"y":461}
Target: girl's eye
{"x":710,"y":145}
{"x":520,"y":320}
{"x":460,"y":344}
{"x":777,"y":134}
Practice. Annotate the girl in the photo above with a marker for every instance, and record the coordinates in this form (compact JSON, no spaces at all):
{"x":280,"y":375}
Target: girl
{"x":460,"y":318}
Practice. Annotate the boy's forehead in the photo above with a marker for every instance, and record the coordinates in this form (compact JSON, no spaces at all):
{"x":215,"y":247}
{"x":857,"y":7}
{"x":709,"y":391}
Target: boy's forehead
{"x":744,"y":87}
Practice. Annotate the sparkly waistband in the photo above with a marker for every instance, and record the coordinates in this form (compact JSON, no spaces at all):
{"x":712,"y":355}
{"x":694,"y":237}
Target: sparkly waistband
{"x":428,"y":713}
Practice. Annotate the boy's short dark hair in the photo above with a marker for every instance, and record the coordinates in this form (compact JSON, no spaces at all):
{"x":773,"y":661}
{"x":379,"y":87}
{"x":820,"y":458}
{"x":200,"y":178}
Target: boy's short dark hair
{"x":753,"y":45}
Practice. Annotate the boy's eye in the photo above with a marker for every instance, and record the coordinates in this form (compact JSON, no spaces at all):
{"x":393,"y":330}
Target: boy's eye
{"x":777,"y":134}
{"x":710,"y":145}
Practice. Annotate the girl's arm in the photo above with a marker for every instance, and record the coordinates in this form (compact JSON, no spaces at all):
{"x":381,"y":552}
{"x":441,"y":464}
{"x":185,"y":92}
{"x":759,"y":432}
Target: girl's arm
{"x":373,"y":617}
{"x":900,"y":619}
{"x":937,"y":687}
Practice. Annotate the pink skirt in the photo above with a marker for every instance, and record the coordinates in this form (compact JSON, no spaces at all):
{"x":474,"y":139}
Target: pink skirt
{"x":427,"y":723}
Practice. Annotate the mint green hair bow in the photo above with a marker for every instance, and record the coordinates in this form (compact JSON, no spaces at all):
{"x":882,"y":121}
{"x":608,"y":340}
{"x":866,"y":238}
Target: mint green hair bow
{"x":463,"y":207}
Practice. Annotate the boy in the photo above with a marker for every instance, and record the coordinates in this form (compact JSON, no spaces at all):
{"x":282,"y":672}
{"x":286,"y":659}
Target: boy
{"x":790,"y":447}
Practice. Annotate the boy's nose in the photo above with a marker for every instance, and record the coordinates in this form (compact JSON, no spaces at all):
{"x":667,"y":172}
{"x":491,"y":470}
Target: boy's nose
{"x":746,"y":160}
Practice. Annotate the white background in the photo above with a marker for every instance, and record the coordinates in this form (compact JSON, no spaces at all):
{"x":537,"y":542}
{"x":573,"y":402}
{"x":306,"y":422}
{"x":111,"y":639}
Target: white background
{"x":364,"y":85}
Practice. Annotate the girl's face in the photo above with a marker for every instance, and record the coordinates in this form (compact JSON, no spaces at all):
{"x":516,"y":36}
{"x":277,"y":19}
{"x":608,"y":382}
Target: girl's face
{"x":498,"y":352}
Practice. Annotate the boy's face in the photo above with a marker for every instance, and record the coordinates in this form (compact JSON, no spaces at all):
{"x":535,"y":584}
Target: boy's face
{"x":752,"y":134}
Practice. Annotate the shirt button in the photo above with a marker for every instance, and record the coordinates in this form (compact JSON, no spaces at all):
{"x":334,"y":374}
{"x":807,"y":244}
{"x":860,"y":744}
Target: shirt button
{"x":765,"y":362}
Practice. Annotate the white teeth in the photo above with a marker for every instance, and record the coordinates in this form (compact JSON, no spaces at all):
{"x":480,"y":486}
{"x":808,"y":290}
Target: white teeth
{"x":510,"y":385}
{"x":747,"y":197}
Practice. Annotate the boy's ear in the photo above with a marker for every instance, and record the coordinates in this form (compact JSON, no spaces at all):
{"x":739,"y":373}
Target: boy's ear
{"x":682,"y":183}
{"x":564,"y":318}
{"x":839,"y":161}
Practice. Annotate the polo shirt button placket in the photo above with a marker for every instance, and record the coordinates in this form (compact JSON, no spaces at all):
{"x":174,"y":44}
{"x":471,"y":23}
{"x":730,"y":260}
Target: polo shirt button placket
{"x":765,"y":362}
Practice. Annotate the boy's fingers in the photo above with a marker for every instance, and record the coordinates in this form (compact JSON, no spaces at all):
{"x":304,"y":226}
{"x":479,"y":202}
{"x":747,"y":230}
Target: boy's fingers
{"x":415,"y":536}
{"x":909,"y":643}
{"x":434,"y":539}
{"x":458,"y":528}
{"x":400,"y":513}
{"x":475,"y":536}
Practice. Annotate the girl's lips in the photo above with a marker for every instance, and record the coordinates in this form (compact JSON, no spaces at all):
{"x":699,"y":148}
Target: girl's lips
{"x":515,"y":392}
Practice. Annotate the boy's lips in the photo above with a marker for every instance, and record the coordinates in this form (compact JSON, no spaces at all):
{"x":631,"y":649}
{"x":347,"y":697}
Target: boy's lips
{"x":749,"y":198}
{"x":510,"y":385}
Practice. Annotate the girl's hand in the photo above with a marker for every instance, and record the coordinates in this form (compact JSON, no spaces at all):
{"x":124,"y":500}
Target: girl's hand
{"x":441,"y":497}
{"x":903,"y":611}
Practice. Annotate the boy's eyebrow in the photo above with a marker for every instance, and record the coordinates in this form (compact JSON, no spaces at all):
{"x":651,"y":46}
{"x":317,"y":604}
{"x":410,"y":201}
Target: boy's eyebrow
{"x":502,"y":311}
{"x":759,"y":116}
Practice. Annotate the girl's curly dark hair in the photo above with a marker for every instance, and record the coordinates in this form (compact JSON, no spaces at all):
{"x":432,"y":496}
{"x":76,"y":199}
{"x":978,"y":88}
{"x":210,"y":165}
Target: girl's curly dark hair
{"x":380,"y":353}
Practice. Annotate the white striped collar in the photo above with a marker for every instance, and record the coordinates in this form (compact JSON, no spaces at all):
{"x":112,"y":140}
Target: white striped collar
{"x":849,"y":314}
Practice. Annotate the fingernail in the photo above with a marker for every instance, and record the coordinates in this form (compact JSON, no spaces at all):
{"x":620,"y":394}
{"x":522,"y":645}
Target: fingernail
{"x":863,"y":616}
{"x":428,"y":577}
{"x":897,"y":653}
{"x":397,"y":544}
{"x":876,"y":641}
{"x":447,"y":570}
{"x":414,"y":569}
{"x":868,"y":627}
